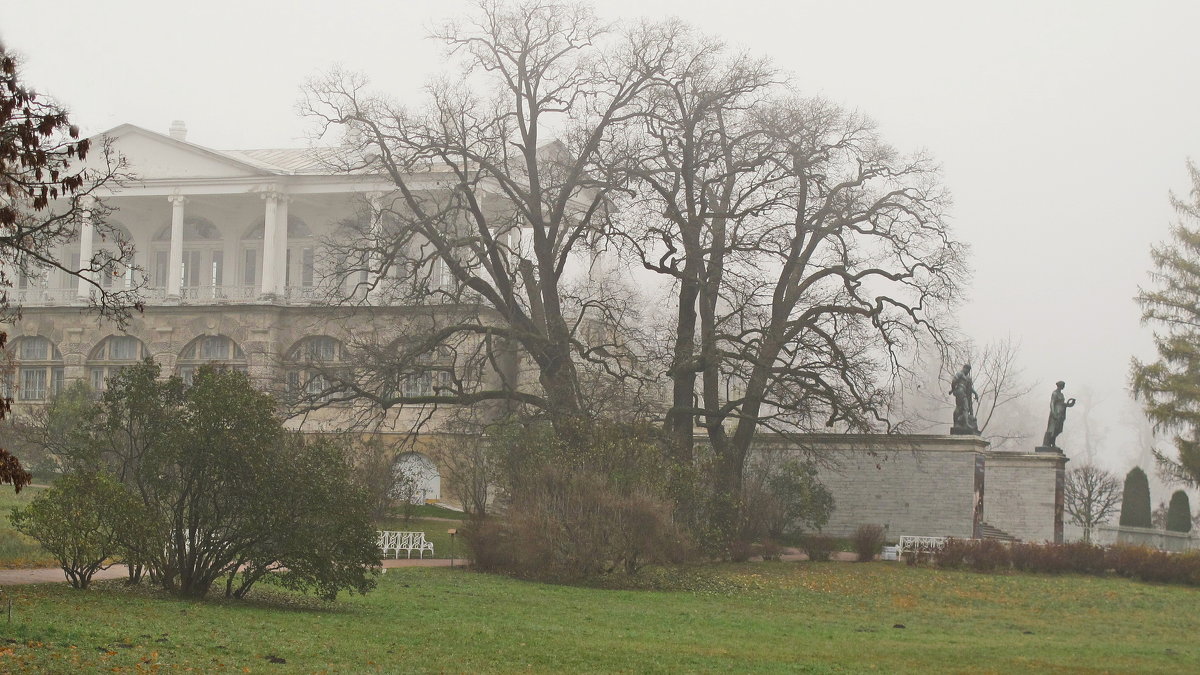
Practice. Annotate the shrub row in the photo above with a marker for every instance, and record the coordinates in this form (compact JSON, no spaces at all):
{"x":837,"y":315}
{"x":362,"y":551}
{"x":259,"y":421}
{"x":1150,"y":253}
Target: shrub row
{"x":1135,"y":562}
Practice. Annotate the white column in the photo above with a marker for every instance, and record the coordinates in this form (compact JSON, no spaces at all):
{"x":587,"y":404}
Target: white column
{"x":175,"y":266}
{"x":375,"y":259}
{"x":281,"y":243}
{"x":270,"y":252}
{"x":86,"y":230}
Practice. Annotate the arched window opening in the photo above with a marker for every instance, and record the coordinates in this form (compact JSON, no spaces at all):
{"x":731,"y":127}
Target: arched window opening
{"x":210,"y":350}
{"x":117,"y":275}
{"x":299,"y":267}
{"x":39,"y":371}
{"x":416,"y":479}
{"x":203,"y":256}
{"x":307,"y":365}
{"x":113,"y":354}
{"x":432,"y":374}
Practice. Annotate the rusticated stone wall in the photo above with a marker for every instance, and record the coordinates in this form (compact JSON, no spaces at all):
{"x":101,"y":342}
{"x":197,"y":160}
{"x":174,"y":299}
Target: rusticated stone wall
{"x":1025,"y":493}
{"x":921,"y":485}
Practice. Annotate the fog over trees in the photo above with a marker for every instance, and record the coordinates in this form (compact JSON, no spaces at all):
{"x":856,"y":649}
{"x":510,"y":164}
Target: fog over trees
{"x":1018,"y":95}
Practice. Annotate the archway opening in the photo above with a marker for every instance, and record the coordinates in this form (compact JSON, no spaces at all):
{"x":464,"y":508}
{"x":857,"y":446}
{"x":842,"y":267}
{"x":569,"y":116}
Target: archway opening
{"x":416,"y":479}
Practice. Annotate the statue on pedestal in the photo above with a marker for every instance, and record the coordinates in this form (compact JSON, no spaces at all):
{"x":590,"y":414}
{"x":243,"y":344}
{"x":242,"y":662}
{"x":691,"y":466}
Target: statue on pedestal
{"x":963,"y":388}
{"x":1058,"y":414}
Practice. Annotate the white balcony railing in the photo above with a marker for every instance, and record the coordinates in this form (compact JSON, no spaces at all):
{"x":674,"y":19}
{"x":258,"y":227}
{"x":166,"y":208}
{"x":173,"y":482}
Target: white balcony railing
{"x":213,"y":295}
{"x":188,"y":295}
{"x":45,"y":296}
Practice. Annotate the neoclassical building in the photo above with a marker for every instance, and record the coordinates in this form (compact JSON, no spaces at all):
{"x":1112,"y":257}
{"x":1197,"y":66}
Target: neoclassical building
{"x":229,"y":246}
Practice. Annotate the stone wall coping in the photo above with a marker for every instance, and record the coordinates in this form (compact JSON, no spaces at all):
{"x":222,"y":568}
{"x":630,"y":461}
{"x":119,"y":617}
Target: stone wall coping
{"x":1010,"y":458}
{"x":894,"y":442}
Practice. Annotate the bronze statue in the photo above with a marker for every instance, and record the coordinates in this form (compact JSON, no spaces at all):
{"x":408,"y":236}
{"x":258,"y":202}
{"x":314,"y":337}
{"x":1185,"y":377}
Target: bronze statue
{"x":963,"y":388}
{"x":1058,"y":414}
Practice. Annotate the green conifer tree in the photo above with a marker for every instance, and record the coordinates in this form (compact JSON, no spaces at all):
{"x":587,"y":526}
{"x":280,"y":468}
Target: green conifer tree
{"x":1167,"y":386}
{"x":1179,"y":513}
{"x":1135,"y":502}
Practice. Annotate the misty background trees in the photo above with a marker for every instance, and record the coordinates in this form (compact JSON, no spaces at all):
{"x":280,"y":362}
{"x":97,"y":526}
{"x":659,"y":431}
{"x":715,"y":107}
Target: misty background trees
{"x":1167,"y":386}
{"x":634,"y":224}
{"x":1091,"y":497}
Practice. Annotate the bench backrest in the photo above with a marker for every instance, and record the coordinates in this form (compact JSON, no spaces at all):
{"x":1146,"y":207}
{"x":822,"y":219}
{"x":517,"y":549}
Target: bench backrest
{"x":389,"y":539}
{"x":910,"y":543}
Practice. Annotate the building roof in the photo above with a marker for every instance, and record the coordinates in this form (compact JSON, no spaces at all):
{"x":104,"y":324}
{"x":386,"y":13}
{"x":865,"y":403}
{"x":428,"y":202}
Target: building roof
{"x":308,"y":161}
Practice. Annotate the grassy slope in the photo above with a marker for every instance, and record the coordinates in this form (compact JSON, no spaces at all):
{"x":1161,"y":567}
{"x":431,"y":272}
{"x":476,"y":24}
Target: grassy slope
{"x":17,"y":550}
{"x":823,"y":617}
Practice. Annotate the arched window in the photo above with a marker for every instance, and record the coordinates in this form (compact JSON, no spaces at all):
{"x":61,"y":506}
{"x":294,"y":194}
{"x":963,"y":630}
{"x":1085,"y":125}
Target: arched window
{"x":117,"y":276}
{"x":203,"y":256}
{"x":214,"y":350}
{"x":114,"y":353}
{"x":299,"y":265}
{"x":39,"y":373}
{"x":432,"y":373}
{"x":307,"y":363}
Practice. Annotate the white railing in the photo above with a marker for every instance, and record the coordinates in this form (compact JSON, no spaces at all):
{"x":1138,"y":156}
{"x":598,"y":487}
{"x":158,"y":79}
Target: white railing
{"x":1107,"y":535}
{"x":210,"y":295}
{"x":46,"y":296}
{"x":919,"y":545}
{"x":219,"y":294}
{"x":304,"y":295}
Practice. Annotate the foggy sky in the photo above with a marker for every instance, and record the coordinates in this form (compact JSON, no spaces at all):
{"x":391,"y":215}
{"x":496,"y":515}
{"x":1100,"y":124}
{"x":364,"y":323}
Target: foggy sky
{"x":1060,"y":126}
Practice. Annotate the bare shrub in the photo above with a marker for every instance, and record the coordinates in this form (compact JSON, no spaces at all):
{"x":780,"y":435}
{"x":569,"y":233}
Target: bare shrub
{"x":586,"y":501}
{"x":819,"y":547}
{"x":372,"y":462}
{"x":988,"y":555}
{"x":868,"y":542}
{"x":954,"y":553}
{"x":574,"y":526}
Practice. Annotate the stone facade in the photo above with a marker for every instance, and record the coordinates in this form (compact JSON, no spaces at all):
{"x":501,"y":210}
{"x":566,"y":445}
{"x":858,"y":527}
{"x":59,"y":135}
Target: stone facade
{"x":911,"y":485}
{"x":230,"y":246}
{"x":928,"y":485}
{"x":1024,"y":494}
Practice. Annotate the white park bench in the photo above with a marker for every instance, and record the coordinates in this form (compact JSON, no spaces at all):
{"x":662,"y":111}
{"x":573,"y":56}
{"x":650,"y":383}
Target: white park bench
{"x":404,"y":541}
{"x":918,"y":545}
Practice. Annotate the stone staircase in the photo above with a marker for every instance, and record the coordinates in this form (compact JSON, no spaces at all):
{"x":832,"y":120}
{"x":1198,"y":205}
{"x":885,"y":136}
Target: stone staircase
{"x":988,"y":532}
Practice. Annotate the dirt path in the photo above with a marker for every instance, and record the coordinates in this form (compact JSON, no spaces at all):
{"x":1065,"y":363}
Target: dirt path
{"x":54,"y":574}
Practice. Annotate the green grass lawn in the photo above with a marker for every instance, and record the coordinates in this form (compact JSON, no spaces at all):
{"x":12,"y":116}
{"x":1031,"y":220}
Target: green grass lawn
{"x":17,"y":550}
{"x":770,"y":617}
{"x":434,"y":521}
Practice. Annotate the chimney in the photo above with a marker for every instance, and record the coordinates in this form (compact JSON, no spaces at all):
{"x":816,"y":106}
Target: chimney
{"x":178,"y":130}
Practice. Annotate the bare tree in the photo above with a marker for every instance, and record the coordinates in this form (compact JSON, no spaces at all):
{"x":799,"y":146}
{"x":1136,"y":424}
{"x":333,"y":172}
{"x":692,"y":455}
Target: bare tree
{"x":1091,"y":496}
{"x":805,"y":252}
{"x":998,"y":380}
{"x":50,"y":183}
{"x":488,"y":221}
{"x":1158,"y":517}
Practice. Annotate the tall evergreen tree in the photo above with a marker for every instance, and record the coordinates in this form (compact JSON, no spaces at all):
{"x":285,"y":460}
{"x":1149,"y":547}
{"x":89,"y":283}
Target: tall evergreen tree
{"x":1135,"y":503}
{"x":1167,"y":386}
{"x":1179,"y":513}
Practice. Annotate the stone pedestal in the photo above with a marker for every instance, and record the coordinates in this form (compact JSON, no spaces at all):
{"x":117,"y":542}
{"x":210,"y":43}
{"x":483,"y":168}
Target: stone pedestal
{"x":1049,"y":448}
{"x":1025,"y":493}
